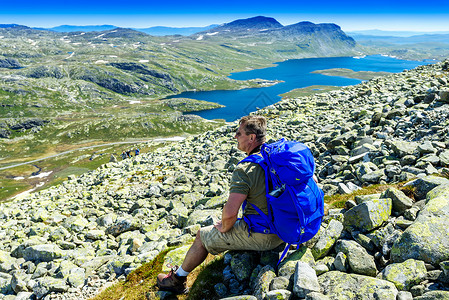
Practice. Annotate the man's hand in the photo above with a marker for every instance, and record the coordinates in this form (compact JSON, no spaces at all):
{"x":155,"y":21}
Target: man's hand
{"x":219,"y":226}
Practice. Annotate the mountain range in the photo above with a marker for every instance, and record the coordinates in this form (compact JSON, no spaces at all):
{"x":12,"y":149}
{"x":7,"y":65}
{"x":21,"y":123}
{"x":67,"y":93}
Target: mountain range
{"x":388,"y":33}
{"x":423,"y":38}
{"x":156,"y":30}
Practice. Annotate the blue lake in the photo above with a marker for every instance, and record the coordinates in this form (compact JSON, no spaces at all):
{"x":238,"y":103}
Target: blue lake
{"x":295,"y":73}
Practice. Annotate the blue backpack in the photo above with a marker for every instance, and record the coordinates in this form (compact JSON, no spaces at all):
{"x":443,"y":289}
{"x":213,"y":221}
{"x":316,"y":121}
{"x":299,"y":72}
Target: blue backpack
{"x":295,"y":202}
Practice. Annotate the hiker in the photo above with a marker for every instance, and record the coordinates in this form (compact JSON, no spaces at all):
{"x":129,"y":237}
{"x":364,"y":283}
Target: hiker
{"x":128,"y":153}
{"x":247,"y":183}
{"x":136,"y":151}
{"x":124,"y":155}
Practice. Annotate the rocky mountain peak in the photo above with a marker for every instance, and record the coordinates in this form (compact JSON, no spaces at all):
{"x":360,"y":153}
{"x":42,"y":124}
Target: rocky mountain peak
{"x":248,"y":25}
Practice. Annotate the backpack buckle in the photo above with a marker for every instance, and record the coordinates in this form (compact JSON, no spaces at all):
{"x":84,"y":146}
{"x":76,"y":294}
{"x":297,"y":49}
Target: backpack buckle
{"x":266,"y":231}
{"x":278,"y":191}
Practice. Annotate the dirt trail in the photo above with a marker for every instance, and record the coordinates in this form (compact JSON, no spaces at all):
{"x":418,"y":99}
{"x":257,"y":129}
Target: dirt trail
{"x":89,"y":147}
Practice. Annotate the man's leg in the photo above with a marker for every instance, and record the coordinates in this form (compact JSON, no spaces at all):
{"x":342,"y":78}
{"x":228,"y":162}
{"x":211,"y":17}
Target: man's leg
{"x":175,"y":280}
{"x":195,"y":256}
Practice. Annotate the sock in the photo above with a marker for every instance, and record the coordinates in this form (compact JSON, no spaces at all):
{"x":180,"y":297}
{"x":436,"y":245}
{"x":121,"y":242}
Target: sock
{"x":181,"y":272}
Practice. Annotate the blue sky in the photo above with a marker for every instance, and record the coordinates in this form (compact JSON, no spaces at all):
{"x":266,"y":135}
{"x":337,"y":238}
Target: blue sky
{"x":350,"y":15}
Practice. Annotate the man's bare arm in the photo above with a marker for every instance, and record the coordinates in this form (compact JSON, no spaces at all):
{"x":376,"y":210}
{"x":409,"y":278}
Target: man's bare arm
{"x":230,"y":212}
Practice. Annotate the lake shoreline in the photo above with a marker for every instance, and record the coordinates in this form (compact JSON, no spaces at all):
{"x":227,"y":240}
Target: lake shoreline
{"x":294,"y":74}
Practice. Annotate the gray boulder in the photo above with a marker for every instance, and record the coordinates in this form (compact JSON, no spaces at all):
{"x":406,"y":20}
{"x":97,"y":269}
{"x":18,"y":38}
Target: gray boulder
{"x":405,"y":275}
{"x":46,"y":285}
{"x":400,"y":201}
{"x":402,"y":148}
{"x":358,"y":258}
{"x":278,"y":295}
{"x":426,"y":239}
{"x":434,"y":295}
{"x":424,"y":185}
{"x":242,"y":265}
{"x":338,"y":285}
{"x":305,"y":280}
{"x":19,"y":281}
{"x":288,"y":265}
{"x":44,"y":253}
{"x":444,"y":158}
{"x":24,"y":296}
{"x":5,"y":284}
{"x":123,"y":225}
{"x":327,"y":239}
{"x":263,"y":280}
{"x":368,"y":215}
{"x":203,"y":217}
{"x":316,"y":296}
{"x":241,"y":297}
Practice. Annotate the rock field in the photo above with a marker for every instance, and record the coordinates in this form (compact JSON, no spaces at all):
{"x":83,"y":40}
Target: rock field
{"x":68,"y":241}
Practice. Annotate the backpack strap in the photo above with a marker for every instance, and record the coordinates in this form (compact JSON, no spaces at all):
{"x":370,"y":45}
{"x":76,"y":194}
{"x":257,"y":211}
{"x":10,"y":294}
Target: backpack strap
{"x":257,"y":223}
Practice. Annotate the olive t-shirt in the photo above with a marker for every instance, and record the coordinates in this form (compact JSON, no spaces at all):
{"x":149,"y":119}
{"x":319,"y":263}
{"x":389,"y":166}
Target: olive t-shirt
{"x":249,"y":179}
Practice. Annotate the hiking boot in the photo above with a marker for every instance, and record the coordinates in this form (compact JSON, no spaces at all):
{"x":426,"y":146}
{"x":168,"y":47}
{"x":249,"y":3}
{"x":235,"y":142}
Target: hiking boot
{"x":172,"y":282}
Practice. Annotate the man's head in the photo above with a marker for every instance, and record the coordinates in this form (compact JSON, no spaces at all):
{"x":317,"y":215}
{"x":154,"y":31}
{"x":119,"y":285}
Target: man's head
{"x":251,"y":133}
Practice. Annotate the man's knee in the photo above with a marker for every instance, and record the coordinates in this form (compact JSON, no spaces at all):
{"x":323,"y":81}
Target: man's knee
{"x":198,"y":239}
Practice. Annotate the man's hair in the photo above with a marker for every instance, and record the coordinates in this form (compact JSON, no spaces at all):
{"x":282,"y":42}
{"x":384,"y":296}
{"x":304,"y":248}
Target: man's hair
{"x":255,"y":125}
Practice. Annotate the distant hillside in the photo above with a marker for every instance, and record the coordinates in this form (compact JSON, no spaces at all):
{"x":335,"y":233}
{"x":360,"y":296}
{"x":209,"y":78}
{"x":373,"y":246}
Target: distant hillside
{"x":12,"y":26}
{"x":376,"y":32}
{"x":424,"y":46}
{"x":425,"y":38}
{"x":163,"y":30}
{"x":87,"y":28}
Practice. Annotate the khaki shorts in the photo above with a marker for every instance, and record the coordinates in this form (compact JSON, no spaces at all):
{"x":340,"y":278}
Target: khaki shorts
{"x":237,"y":238}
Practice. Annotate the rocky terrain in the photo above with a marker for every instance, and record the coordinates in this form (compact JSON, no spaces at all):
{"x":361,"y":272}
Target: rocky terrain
{"x":67,"y":241}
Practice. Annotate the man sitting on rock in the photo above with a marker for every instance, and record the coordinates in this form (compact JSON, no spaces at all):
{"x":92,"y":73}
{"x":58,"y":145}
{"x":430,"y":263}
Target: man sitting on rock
{"x":247,"y":183}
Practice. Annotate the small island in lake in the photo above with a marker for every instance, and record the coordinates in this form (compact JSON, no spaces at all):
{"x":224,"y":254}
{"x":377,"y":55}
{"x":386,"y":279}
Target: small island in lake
{"x":348,"y":73}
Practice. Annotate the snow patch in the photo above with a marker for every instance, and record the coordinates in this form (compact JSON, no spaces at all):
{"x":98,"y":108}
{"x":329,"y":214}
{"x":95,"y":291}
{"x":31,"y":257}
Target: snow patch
{"x":213,"y":33}
{"x":172,"y":139}
{"x":33,"y":43}
{"x":134,"y":102}
{"x":26,"y":193}
{"x":144,"y":61}
{"x":41,"y":175}
{"x":200,"y":38}
{"x":19,"y":178}
{"x":101,"y":61}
